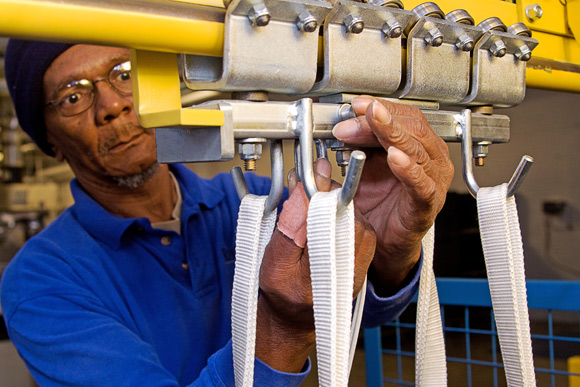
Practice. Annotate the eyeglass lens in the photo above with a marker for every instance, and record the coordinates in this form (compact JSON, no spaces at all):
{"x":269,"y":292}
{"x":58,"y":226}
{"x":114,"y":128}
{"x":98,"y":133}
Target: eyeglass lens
{"x":78,"y":96}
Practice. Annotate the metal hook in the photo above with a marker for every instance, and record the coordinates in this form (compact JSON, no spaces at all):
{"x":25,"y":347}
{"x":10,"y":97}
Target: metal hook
{"x":305,"y":162}
{"x":464,"y":121}
{"x":277,"y":187}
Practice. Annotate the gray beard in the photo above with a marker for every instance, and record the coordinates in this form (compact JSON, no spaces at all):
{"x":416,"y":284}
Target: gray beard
{"x":136,"y":181}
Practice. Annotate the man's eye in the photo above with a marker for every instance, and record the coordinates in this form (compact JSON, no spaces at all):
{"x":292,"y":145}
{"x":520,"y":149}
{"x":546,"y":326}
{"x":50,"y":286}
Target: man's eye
{"x":123,"y":76}
{"x":71,"y":99}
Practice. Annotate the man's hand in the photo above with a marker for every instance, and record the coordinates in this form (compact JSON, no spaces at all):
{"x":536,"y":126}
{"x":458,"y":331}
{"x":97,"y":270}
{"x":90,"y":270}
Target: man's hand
{"x":285,"y":327}
{"x":401,"y":190}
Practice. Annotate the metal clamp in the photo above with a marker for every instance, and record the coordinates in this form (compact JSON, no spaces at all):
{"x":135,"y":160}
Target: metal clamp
{"x":270,"y":45}
{"x":438,"y":55}
{"x":498,"y":76}
{"x":355,"y":30}
{"x":464,"y":124}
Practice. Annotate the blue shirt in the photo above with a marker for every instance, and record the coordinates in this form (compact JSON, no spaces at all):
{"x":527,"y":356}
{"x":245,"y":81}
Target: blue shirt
{"x":100,"y":300}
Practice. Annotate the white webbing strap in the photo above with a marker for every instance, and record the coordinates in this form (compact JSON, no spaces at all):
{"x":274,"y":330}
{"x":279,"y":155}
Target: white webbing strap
{"x":430,"y":361}
{"x":253,"y":234}
{"x":504,"y":260}
{"x":331,"y":252}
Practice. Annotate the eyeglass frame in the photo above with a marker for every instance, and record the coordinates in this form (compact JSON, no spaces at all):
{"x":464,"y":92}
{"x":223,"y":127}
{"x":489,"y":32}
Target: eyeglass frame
{"x":124,"y":66}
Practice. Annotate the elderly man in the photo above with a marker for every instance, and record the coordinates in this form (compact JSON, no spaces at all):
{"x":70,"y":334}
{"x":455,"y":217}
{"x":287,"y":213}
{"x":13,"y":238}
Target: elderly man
{"x":132,"y":284}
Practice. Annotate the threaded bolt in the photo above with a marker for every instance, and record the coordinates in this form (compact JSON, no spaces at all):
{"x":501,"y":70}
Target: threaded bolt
{"x":249,"y":165}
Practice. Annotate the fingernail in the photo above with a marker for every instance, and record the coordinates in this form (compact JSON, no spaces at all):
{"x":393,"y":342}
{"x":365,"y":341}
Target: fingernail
{"x":346,"y":129}
{"x":323,"y":168}
{"x":398,"y":157}
{"x":361,"y":103}
{"x":380,"y":113}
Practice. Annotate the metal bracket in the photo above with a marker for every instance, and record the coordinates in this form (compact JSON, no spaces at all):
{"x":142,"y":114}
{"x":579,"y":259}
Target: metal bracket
{"x":437,"y":69}
{"x":267,"y":46}
{"x":498,"y":80}
{"x":345,"y":70}
{"x":280,"y":121}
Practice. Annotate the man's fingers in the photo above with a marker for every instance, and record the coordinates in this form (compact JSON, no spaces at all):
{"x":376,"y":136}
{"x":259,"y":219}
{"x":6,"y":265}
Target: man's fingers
{"x":322,"y":173}
{"x":292,"y":221}
{"x":420,"y":187}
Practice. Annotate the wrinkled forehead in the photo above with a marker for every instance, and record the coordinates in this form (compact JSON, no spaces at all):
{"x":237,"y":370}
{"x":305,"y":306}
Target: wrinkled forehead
{"x":82,"y":61}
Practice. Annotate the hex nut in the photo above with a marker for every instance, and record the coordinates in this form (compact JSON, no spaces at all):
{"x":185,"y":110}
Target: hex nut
{"x":250,"y":151}
{"x":464,"y":43}
{"x":523,"y":53}
{"x":392,"y":28}
{"x":354,"y":24}
{"x":534,"y":12}
{"x":498,"y":49}
{"x":434,"y":37}
{"x":306,"y":22}
{"x":259,"y":15}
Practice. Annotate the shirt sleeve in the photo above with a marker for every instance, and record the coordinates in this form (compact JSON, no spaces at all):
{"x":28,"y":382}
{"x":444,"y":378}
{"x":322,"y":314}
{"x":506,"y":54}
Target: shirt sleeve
{"x":379,"y":310}
{"x":70,"y":340}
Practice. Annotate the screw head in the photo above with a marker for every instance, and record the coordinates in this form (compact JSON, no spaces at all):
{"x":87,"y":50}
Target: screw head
{"x":306,"y":22}
{"x":259,"y":15}
{"x":498,"y":49}
{"x":534,"y":12}
{"x":392,"y":29}
{"x":434,"y":37}
{"x":523,"y":53}
{"x":464,"y":43}
{"x":354,"y":24}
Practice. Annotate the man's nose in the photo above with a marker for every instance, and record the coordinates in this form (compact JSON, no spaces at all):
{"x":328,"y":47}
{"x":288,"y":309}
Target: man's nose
{"x":109,"y":103}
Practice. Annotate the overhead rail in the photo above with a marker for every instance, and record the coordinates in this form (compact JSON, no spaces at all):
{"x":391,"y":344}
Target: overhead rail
{"x":196,"y":27}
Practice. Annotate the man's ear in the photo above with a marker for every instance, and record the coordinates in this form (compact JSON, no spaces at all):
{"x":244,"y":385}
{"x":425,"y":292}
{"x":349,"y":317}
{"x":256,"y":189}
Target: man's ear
{"x":56,"y":150}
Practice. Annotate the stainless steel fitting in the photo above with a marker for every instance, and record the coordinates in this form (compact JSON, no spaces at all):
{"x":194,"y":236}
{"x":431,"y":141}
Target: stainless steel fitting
{"x":306,"y":22}
{"x":354,"y":24}
{"x":259,"y":15}
{"x":434,"y":37}
{"x":498,"y":49}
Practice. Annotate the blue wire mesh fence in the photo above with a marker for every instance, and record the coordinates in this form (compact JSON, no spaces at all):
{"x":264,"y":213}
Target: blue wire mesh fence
{"x":472,"y":346}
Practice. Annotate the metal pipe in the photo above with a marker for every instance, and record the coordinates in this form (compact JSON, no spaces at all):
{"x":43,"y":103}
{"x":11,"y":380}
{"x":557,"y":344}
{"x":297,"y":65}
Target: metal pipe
{"x":176,"y":27}
{"x":464,"y":122}
{"x":519,"y":175}
{"x":304,"y":126}
{"x":277,"y":187}
{"x":353,"y":175}
{"x":239,"y":182}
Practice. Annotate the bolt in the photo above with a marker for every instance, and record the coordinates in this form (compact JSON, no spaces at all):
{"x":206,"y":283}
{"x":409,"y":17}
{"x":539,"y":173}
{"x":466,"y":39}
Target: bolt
{"x":392,"y":28}
{"x":523,"y":53}
{"x":342,"y":159}
{"x":464,"y":43}
{"x":250,"y":152}
{"x":434,"y":37}
{"x":534,"y":12}
{"x":498,"y":49}
{"x":259,"y":15}
{"x":354,"y":24}
{"x":306,"y":22}
{"x":480,"y":151}
{"x":249,"y":165}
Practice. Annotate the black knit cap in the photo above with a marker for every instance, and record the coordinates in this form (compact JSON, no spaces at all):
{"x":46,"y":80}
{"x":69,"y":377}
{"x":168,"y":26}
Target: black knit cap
{"x":25,"y":63}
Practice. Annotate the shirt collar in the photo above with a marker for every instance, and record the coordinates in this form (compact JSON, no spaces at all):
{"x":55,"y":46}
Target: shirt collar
{"x":108,"y":228}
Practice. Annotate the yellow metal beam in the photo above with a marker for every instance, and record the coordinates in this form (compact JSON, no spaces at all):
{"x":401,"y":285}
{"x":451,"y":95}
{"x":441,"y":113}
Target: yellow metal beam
{"x":555,"y":62}
{"x":75,"y":23}
{"x":157,"y":96}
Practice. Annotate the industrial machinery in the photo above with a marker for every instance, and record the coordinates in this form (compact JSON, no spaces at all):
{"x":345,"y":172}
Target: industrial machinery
{"x":269,"y":54}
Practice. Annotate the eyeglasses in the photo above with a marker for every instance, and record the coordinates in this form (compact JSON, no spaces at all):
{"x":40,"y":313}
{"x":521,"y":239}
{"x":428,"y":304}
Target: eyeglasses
{"x":78,"y":96}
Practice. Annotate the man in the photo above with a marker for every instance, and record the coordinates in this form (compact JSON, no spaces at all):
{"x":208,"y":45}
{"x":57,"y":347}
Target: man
{"x":132,"y":284}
